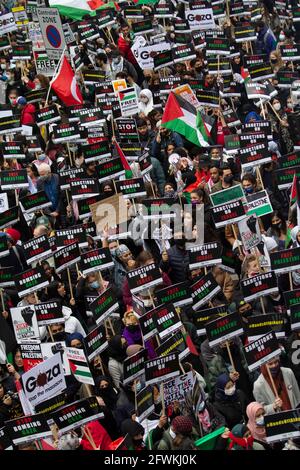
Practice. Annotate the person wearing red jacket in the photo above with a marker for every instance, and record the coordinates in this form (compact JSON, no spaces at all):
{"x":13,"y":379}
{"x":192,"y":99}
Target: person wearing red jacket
{"x":27,"y":111}
{"x":125,"y":44}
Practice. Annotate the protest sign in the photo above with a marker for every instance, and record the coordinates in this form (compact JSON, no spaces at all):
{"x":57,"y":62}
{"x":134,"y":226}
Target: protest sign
{"x":207,"y":98}
{"x":205,"y":255}
{"x":13,"y":179}
{"x":176,"y":343}
{"x":95,"y":342}
{"x":77,"y":414}
{"x":284,"y":176}
{"x":128,"y":102}
{"x":27,"y":428}
{"x":261,"y":351}
{"x":65,"y":133}
{"x":250,"y":232}
{"x":159,"y":208}
{"x":72,"y":174}
{"x":84,"y":210}
{"x":44,"y":381}
{"x":34,"y":202}
{"x":25,"y":323}
{"x":84,"y":188}
{"x":226,"y":214}
{"x":148,"y":324}
{"x":30,"y":281}
{"x":163,"y":59}
{"x":232,"y":143}
{"x":259,"y":286}
{"x":131,"y":188}
{"x":178,"y":294}
{"x":31,"y":354}
{"x":104,"y":305}
{"x":79,"y":366}
{"x":69,"y":236}
{"x":52,"y":31}
{"x":47,"y":115}
{"x":145,"y":403}
{"x":177,"y":388}
{"x":48,"y":406}
{"x":204,"y":289}
{"x":222,"y":329}
{"x":111,"y":169}
{"x":37,"y":249}
{"x":134,"y":366}
{"x":282,"y":425}
{"x":12,"y":150}
{"x":143,"y":278}
{"x":227,"y":195}
{"x":9,"y":217}
{"x":291,"y":298}
{"x":285,"y":260}
{"x":96,"y":260}
{"x":7,"y":278}
{"x":203,"y":316}
{"x":295,"y":317}
{"x":66,"y":257}
{"x":7,"y":24}
{"x":258,"y":204}
{"x":48,"y":313}
{"x":160,"y":369}
{"x":4,"y":251}
{"x":254,"y":156}
{"x":256,"y":90}
{"x":145,"y":54}
{"x":200,"y":18}
{"x":259,"y":325}
{"x":166,"y":320}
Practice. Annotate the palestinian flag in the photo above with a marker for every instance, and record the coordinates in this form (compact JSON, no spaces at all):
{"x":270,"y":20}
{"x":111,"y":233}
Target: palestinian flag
{"x":126,"y":166}
{"x":294,"y":191}
{"x":77,"y":9}
{"x":79,"y":366}
{"x":182,"y":117}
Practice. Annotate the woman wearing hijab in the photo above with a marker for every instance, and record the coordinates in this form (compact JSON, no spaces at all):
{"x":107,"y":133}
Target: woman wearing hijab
{"x":252,"y":116}
{"x":256,"y":412}
{"x":146,"y":102}
{"x":117,"y":355}
{"x":75,"y":340}
{"x":241,"y":439}
{"x":135,"y":433}
{"x":229,"y":401}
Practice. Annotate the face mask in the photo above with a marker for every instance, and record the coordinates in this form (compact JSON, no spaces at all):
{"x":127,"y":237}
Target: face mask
{"x":42,"y":157}
{"x":277,"y":106}
{"x":43,"y":178}
{"x":195,"y":203}
{"x":13,"y":101}
{"x":61,"y":336}
{"x":274,"y":370}
{"x":248,"y":190}
{"x":77,"y":162}
{"x":277,"y":225}
{"x":138,"y":442}
{"x":113,"y":251}
{"x":228,"y":179}
{"x":116,"y":60}
{"x":180,"y":243}
{"x":170,"y":193}
{"x":230,"y":391}
{"x":3,"y":66}
{"x":172,"y":433}
{"x":95,"y":285}
{"x":132,"y":328}
{"x":198,"y":69}
{"x":260,"y":421}
{"x":281,"y":37}
{"x":138,"y":387}
{"x":290,"y":105}
{"x":201,"y":406}
{"x":38,"y":86}
{"x":273,"y":61}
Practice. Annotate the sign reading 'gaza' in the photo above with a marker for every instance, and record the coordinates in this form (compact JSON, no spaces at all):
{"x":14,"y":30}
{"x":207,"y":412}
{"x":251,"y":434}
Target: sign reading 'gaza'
{"x":31,"y":281}
{"x":96,"y":260}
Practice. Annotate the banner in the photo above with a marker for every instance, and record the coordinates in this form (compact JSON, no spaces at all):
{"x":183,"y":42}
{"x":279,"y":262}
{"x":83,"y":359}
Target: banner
{"x":37,"y":249}
{"x":261,"y":351}
{"x":143,"y":278}
{"x":160,"y":369}
{"x":205,"y":255}
{"x":44,"y":381}
{"x":178,"y":388}
{"x":48,"y":313}
{"x":134,"y":366}
{"x":223,"y":329}
{"x":95,"y":342}
{"x":204,"y":289}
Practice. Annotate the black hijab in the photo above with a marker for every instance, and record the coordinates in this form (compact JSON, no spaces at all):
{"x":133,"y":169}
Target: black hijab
{"x":116,"y":350}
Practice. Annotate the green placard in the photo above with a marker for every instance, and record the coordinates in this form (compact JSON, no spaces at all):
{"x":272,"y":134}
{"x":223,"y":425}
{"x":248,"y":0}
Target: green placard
{"x":227,"y":195}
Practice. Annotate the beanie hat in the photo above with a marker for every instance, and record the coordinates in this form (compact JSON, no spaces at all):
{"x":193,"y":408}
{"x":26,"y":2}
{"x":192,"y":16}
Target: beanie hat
{"x":182,"y":425}
{"x":13,"y":234}
{"x":21,"y":100}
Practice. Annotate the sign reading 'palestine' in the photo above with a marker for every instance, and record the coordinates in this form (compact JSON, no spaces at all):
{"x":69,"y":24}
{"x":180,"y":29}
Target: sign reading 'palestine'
{"x":14,"y":179}
{"x":295,"y":317}
{"x":223,"y":329}
{"x":285,"y":260}
{"x":291,"y":298}
{"x":104,"y":305}
{"x":7,"y":277}
{"x":179,"y":294}
{"x":33,"y":202}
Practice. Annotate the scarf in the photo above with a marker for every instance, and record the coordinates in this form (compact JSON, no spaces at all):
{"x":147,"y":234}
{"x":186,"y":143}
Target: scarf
{"x":240,"y":443}
{"x":258,"y":432}
{"x":280,"y":387}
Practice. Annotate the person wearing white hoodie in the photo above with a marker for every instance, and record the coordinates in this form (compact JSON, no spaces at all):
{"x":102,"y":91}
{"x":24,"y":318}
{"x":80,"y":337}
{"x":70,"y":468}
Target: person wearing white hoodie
{"x":146,"y":101}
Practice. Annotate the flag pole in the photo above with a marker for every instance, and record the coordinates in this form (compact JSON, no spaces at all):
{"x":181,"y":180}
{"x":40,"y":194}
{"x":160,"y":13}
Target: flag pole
{"x":54,"y":75}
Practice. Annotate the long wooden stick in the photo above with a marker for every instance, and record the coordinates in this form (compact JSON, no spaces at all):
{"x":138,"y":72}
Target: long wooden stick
{"x":272,"y":382}
{"x":230,"y":355}
{"x":163,"y":398}
{"x":236,"y":238}
{"x":291,"y":281}
{"x":70,"y":283}
{"x":89,"y":438}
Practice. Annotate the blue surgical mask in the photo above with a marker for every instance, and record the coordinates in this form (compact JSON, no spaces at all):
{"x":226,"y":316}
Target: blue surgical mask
{"x":138,"y":387}
{"x":248,"y":190}
{"x":260,"y":421}
{"x":42,"y":157}
{"x":95,"y":285}
{"x":113,"y":251}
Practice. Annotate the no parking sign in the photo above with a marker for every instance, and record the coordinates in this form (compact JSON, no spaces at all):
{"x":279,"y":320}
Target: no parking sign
{"x":52,"y":31}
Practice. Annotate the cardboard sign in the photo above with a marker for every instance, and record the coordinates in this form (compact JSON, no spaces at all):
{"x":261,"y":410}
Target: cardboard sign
{"x":148,"y":325}
{"x":177,"y":389}
{"x":260,"y":72}
{"x":204,"y":316}
{"x":281,"y":426}
{"x":286,"y":78}
{"x":21,"y":52}
{"x":48,"y":313}
{"x":244,"y":33}
{"x":256,"y":91}
{"x":295,"y":317}
{"x":13,"y":179}
{"x":111,"y":169}
{"x":65,"y":133}
{"x":72,"y":174}
{"x":131,"y":188}
{"x":218,"y":46}
{"x":204,"y":289}
{"x":145,"y":55}
{"x":208,"y":98}
{"x":290,"y":160}
{"x":252,"y":139}
{"x":34,"y":202}
{"x":166,"y":320}
{"x":259,"y":286}
{"x":104,"y":305}
{"x":143,"y":278}
{"x":66,"y":257}
{"x":227,"y":195}
{"x":92,"y":77}
{"x":285,"y":177}
{"x":290,"y":52}
{"x":12,"y":150}
{"x":4,"y":251}
{"x":7,"y":24}
{"x":31,"y":281}
{"x":205,"y":255}
{"x":9,"y":217}
{"x":142,"y":27}
{"x":169,"y":83}
{"x":291,"y":298}
{"x":37,"y":249}
{"x":44,"y":381}
{"x":77,"y":414}
{"x":128,"y":102}
{"x":47,"y":115}
{"x":200,"y":19}
{"x":79,"y":366}
{"x":249,"y":232}
{"x":259,"y":204}
{"x":96,"y":260}
{"x":261,"y":351}
{"x":31,"y":354}
{"x":163,"y":59}
{"x":255,"y":155}
{"x":84,"y":210}
{"x":160,"y":369}
{"x":48,"y":406}
{"x":7,"y":278}
{"x":183,"y":52}
{"x":95,"y":342}
{"x":219,"y":67}
{"x":228,"y":213}
{"x":71,"y":235}
{"x":232,"y":143}
{"x":127,"y":130}
{"x":223,"y":329}
{"x":27,"y":428}
{"x":145,"y":162}
{"x":145,"y":403}
{"x":52,"y":31}
{"x":134,"y":366}
{"x":259,"y":126}
{"x":176,"y":343}
{"x":285,"y":261}
{"x":259,"y":325}
{"x":177,"y":294}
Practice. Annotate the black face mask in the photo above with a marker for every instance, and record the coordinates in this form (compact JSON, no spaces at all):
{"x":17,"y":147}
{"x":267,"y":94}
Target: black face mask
{"x":180,"y":243}
{"x":247,"y":313}
{"x":108,"y":395}
{"x":273,"y":61}
{"x":138,"y":442}
{"x":132,"y":328}
{"x":228,"y":179}
{"x":61,"y":336}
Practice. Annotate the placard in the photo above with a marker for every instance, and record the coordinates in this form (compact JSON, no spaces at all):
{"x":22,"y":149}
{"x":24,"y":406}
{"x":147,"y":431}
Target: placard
{"x":295,"y":317}
{"x":48,"y":313}
{"x":128,"y":102}
{"x":79,"y":366}
{"x":285,"y":176}
{"x":166,"y":320}
{"x":176,"y":343}
{"x":13,"y":179}
{"x":9,"y":217}
{"x":178,"y":388}
{"x":205,"y":255}
{"x":177,"y":294}
{"x":47,"y":115}
{"x":208,"y":98}
{"x":12,"y":150}
{"x":77,"y":414}
{"x":148,"y":325}
{"x":160,"y":369}
{"x":69,"y":236}
{"x":143,"y":278}
{"x":221,"y":330}
{"x":259,"y":204}
{"x":95,"y":342}
{"x":66,"y":257}
{"x":31,"y":354}
{"x":200,"y":19}
{"x":205,"y":315}
{"x":259,"y":286}
{"x":250,"y":232}
{"x":37,"y":249}
{"x":285,"y":260}
{"x":159,"y":208}
{"x":226,"y":214}
{"x":95,"y":260}
{"x":261,"y":351}
{"x":291,"y":298}
{"x":204,"y":289}
{"x":7,"y":278}
{"x":131,"y":188}
{"x":31,"y":281}
{"x":227,"y":195}
{"x":65,"y":133}
{"x":259,"y":325}
{"x":27,"y":428}
{"x":24,"y":323}
{"x":111,"y":169}
{"x":104,"y":305}
{"x":255,"y":155}
{"x":34,"y":202}
{"x":145,"y":403}
{"x":134,"y":366}
{"x":72,"y":174}
{"x":282,"y":425}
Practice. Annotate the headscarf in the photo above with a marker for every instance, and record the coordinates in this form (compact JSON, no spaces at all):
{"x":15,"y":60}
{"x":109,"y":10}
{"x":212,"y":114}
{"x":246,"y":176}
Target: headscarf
{"x":121,"y":250}
{"x":146,"y":108}
{"x":132,"y":429}
{"x":294,"y":233}
{"x":238,"y":442}
{"x":258,"y":432}
{"x":222,"y":380}
{"x":109,"y":395}
{"x":116,"y":350}
{"x":75,"y":336}
{"x":252,"y":115}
